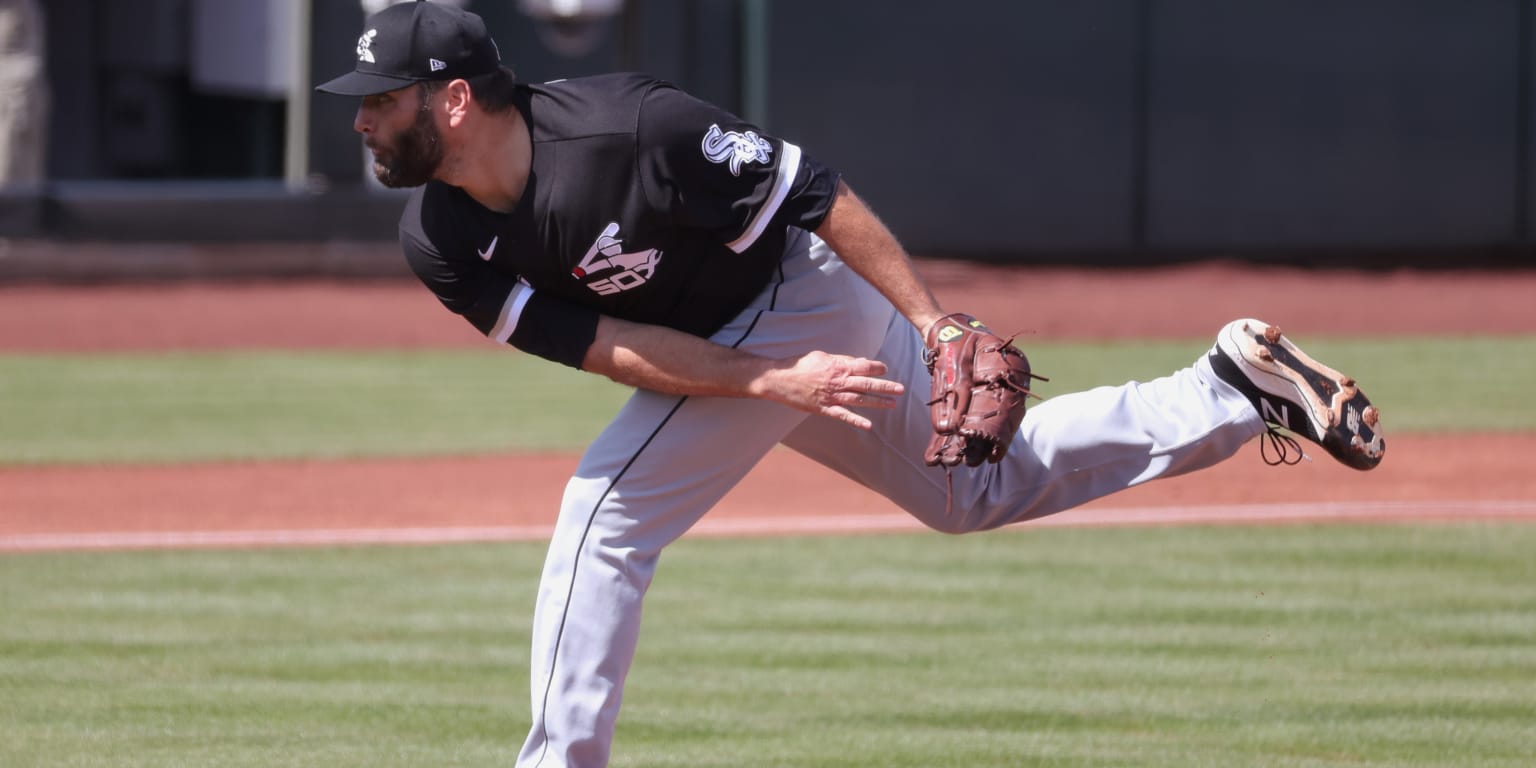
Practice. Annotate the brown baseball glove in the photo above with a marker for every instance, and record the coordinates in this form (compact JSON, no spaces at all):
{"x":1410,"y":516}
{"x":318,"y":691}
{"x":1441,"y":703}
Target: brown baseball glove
{"x":980,"y":384}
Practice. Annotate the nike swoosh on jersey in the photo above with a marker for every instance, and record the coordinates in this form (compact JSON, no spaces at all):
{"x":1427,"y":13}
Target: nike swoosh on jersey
{"x":489,"y":249}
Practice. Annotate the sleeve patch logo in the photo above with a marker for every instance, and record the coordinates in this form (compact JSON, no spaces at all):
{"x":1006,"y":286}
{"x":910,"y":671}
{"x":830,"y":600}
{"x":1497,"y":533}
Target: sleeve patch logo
{"x":734,"y":148}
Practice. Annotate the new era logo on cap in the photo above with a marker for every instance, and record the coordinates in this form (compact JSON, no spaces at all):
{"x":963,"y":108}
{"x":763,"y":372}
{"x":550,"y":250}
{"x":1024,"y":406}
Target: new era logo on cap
{"x":411,"y":42}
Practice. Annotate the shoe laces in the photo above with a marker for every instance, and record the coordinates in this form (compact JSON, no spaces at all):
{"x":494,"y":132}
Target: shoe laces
{"x":1281,"y":445}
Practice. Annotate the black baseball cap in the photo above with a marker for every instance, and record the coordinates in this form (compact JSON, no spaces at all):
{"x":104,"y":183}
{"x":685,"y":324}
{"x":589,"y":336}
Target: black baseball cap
{"x":412,"y":42}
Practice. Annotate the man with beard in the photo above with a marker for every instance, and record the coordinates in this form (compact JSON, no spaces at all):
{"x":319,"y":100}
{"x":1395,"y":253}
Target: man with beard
{"x":620,"y":226}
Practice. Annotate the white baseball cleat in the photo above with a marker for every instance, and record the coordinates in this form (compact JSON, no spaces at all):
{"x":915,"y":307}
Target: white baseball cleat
{"x":1294,"y":392}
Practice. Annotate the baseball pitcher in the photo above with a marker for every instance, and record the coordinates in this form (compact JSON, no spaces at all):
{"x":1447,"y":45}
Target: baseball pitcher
{"x":621,"y":226}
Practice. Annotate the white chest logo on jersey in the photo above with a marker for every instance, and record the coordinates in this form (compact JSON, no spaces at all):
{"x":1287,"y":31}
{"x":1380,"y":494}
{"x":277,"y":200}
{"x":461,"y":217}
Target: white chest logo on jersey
{"x":607,"y":253}
{"x":365,"y":46}
{"x":736,"y":148}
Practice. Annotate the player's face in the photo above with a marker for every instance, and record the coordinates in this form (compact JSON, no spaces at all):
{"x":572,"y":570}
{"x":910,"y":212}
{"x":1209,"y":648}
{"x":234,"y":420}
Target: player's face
{"x":398,"y":127}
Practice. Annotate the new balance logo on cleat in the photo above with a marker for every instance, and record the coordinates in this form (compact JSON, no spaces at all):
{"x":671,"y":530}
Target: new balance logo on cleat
{"x":1292,"y":391}
{"x":1267,"y":410}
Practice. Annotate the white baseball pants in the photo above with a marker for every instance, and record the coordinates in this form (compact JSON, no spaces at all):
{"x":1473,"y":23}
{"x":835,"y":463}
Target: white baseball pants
{"x":664,"y":461}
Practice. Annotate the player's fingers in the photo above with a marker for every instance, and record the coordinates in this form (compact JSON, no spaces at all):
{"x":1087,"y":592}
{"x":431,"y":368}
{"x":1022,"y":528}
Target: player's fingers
{"x":846,"y":416}
{"x":863,"y":399}
{"x":863,"y":366}
{"x":872,"y":386}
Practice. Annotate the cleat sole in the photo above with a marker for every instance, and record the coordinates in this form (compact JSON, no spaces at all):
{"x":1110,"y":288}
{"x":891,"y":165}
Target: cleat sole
{"x":1336,"y":414}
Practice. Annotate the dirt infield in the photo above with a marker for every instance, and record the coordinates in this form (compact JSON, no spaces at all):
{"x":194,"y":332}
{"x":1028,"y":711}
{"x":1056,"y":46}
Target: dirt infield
{"x":1047,"y":303}
{"x":516,"y":495}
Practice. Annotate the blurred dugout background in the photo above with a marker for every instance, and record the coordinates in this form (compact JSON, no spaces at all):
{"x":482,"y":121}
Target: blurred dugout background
{"x":1112,"y":131}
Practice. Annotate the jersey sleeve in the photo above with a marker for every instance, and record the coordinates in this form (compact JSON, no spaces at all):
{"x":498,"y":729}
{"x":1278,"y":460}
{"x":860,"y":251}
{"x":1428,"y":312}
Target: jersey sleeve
{"x":711,"y":170}
{"x":504,"y":308}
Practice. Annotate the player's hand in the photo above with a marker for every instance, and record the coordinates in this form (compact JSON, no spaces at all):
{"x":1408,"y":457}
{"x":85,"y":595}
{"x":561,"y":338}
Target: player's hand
{"x":830,"y":385}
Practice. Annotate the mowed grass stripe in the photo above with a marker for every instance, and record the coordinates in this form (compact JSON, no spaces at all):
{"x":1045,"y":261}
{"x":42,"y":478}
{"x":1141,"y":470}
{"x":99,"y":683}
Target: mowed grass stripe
{"x":1201,"y":646}
{"x":268,"y":405}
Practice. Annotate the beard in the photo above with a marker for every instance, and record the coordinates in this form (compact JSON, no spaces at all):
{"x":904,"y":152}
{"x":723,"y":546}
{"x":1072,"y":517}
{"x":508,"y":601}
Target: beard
{"x":415,"y":156}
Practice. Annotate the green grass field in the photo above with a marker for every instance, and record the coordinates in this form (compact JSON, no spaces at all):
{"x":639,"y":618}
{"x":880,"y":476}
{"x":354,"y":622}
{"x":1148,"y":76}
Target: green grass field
{"x":244,"y":404}
{"x":1405,"y":645}
{"x":1389,"y":645}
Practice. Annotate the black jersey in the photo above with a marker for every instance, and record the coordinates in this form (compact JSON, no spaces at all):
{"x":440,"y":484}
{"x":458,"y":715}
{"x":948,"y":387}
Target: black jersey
{"x":642,"y":203}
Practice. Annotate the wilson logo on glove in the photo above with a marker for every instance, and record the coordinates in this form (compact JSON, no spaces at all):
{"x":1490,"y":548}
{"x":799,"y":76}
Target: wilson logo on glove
{"x":980,"y":389}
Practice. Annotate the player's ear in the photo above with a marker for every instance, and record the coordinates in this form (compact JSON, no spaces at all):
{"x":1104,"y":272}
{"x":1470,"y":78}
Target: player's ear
{"x":457,"y":98}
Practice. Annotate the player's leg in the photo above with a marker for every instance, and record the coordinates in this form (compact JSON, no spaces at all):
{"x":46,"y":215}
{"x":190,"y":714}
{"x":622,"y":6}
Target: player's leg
{"x":1071,"y":449}
{"x":654,"y":471}
{"x":1077,"y":447}
{"x":657,"y":468}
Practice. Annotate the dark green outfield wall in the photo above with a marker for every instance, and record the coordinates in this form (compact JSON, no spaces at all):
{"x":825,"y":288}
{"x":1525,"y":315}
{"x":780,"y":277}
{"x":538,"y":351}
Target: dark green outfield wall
{"x":1025,"y":128}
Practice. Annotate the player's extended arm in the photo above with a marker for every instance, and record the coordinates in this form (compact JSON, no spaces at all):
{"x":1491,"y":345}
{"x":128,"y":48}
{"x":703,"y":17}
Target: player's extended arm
{"x":862,"y":241}
{"x":980,"y":382}
{"x":665,"y":360}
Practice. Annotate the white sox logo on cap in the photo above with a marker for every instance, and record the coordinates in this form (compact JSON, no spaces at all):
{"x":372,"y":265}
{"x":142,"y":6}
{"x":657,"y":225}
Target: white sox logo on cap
{"x":414,"y":42}
{"x":365,"y":46}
